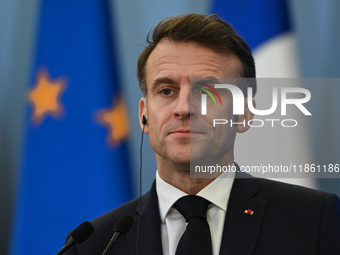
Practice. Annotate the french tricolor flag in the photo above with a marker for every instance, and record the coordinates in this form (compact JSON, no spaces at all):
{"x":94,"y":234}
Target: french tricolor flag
{"x":266,"y":26}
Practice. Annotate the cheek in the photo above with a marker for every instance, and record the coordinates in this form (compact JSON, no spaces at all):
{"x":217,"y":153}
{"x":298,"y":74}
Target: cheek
{"x":226,"y":132}
{"x":160,"y":113}
{"x":228,"y":109}
{"x":225,"y":137}
{"x":156,"y":122}
{"x":222,"y":112}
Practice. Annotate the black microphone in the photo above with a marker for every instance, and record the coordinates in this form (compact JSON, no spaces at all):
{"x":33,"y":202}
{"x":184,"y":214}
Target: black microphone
{"x":79,"y":235}
{"x":123,"y":226}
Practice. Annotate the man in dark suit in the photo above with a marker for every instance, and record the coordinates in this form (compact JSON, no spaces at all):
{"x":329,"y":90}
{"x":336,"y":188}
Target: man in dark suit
{"x":245,"y":215}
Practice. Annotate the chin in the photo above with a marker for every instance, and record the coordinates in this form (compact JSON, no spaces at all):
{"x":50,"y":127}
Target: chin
{"x":181,"y":157}
{"x":199,"y":152}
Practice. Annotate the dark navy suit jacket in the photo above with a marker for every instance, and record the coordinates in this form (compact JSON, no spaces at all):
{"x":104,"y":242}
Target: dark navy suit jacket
{"x":287,"y":219}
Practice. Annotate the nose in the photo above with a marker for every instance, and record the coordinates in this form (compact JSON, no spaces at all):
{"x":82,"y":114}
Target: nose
{"x":183,"y":109}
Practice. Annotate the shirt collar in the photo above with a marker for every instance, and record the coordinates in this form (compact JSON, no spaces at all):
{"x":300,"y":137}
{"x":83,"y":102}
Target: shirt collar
{"x":217,"y":192}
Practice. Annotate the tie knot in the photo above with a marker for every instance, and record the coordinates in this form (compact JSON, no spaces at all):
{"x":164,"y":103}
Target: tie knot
{"x":191,"y":206}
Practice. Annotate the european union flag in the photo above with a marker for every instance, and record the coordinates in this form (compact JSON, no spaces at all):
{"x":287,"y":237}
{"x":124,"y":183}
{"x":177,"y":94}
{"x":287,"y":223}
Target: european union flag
{"x":75,"y":164}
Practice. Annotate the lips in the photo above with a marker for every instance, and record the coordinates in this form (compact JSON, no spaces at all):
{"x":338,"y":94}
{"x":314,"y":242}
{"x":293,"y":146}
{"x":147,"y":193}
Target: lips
{"x":186,"y":132}
{"x":182,"y":131}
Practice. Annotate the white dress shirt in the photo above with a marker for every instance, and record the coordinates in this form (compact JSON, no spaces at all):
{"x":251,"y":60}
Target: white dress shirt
{"x":173,"y":224}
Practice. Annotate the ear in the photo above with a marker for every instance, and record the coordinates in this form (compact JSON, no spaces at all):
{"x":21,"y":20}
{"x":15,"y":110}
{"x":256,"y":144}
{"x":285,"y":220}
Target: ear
{"x":143,"y":111}
{"x":248,"y":115}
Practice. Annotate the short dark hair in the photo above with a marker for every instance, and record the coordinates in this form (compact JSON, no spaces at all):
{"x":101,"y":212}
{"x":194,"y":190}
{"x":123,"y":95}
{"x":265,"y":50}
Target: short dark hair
{"x":207,"y":30}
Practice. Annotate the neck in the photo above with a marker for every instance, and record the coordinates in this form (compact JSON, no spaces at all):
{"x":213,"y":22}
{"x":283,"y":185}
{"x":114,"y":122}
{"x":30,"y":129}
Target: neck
{"x":184,"y":183}
{"x":179,"y":177}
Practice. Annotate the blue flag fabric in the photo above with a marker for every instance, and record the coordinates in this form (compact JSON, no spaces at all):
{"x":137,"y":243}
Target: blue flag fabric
{"x":75,"y":163}
{"x":255,"y":21}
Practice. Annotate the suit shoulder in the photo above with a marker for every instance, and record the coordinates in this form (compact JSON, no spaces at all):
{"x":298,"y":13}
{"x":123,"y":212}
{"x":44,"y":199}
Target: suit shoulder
{"x":287,"y":188}
{"x":280,"y":192}
{"x":106,"y":223}
{"x":109,"y":219}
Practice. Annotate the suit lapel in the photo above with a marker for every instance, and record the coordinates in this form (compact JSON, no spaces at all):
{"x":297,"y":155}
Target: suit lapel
{"x":241,"y":230}
{"x":149,"y":226}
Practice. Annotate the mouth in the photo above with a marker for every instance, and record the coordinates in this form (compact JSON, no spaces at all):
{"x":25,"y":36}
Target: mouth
{"x":185,"y":133}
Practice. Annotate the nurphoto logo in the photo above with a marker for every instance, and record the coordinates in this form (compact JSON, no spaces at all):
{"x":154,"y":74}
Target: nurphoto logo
{"x":301,"y":96}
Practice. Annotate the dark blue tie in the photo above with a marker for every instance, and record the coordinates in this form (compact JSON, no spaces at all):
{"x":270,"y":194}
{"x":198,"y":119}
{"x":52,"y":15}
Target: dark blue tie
{"x":196,"y":240}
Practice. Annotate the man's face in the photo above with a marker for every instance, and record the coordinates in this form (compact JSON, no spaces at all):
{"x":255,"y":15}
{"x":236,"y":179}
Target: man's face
{"x":168,"y":110}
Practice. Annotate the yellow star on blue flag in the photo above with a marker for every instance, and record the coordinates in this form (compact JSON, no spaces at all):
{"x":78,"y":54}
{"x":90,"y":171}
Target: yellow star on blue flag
{"x":69,"y":174}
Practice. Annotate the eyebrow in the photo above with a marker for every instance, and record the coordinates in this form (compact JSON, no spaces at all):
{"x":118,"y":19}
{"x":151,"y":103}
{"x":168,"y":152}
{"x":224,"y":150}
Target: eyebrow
{"x":161,"y":80}
{"x":211,"y":80}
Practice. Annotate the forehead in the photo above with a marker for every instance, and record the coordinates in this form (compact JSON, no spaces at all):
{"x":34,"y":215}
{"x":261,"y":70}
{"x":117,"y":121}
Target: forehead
{"x":185,"y":60}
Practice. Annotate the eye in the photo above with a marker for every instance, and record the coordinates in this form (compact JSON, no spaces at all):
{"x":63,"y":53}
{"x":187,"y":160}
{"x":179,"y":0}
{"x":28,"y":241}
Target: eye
{"x":205,"y":91}
{"x":166,"y":91}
